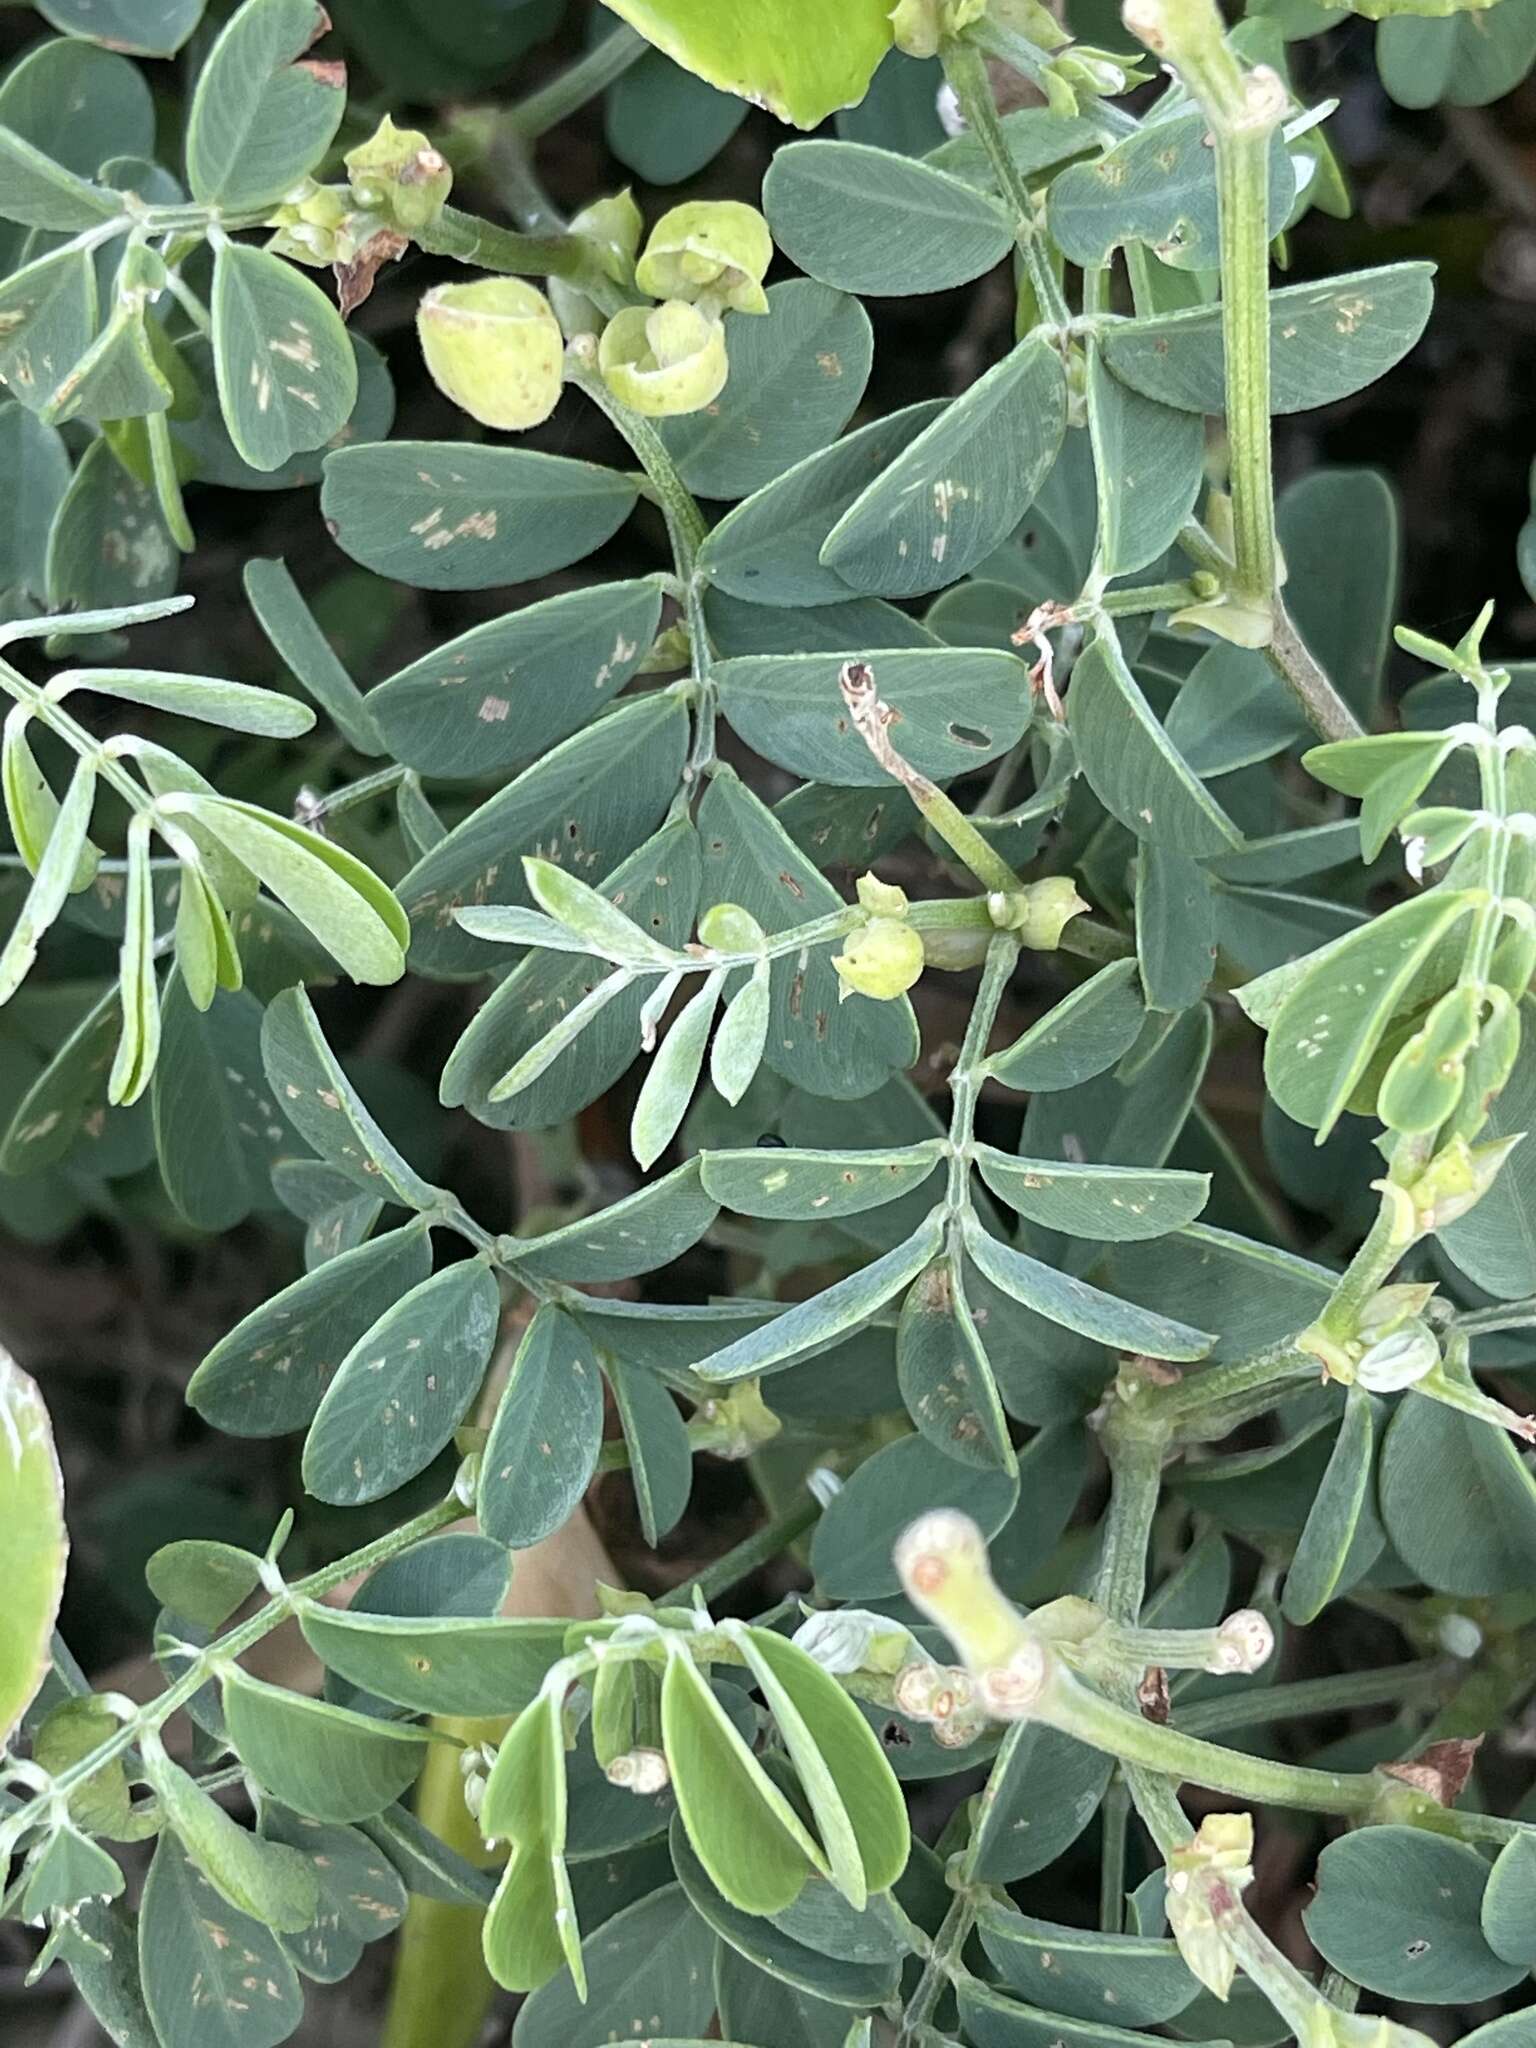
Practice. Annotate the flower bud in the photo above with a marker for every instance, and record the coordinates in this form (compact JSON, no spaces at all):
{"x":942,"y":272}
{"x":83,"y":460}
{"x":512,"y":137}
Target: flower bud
{"x":1222,"y":1852}
{"x":1399,"y":1360}
{"x":882,"y":960}
{"x":851,"y":1639}
{"x":881,"y":899}
{"x":727,"y":928}
{"x":399,"y":174}
{"x":1037,"y":913}
{"x":1244,"y":1643}
{"x":919,"y":26}
{"x":942,"y":1562}
{"x":935,"y":1693}
{"x":1456,"y":1180}
{"x":715,"y":248}
{"x":1390,"y":1307}
{"x":614,"y":227}
{"x":495,"y":348}
{"x":665,"y":361}
{"x":641,"y":1771}
{"x":743,"y":1418}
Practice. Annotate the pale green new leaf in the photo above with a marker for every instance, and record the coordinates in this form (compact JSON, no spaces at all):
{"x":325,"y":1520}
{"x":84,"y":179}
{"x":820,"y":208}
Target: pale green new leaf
{"x":138,"y":992}
{"x":737,"y":1050}
{"x":33,"y":1542}
{"x":53,"y":881}
{"x":239,"y":707}
{"x":273,"y":1884}
{"x":673,"y":1075}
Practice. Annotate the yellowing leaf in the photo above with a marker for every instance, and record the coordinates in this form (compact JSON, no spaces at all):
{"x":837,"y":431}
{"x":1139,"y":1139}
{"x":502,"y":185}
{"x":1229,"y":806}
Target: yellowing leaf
{"x":802,"y":59}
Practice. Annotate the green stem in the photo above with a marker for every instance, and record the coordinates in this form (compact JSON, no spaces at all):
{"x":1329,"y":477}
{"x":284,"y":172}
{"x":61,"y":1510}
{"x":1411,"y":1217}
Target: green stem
{"x":760,"y":1548}
{"x":965,"y":69}
{"x":1136,"y":1465}
{"x":1113,"y":1817}
{"x":685,"y":522}
{"x":49,"y":712}
{"x":226,"y":1648}
{"x":1340,"y":1692}
{"x":1288,"y":655}
{"x":468,"y":239}
{"x":1242,"y":183}
{"x":582,"y":81}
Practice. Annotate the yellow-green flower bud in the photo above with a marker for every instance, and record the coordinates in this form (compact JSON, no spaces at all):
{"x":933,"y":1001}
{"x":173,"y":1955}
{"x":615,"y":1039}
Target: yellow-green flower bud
{"x":614,"y":226}
{"x":665,"y":361}
{"x":1037,"y":913}
{"x":881,"y":899}
{"x":714,"y":248}
{"x":495,"y":348}
{"x":1456,"y":1179}
{"x":1212,"y":1870}
{"x":727,"y":928}
{"x":1390,"y":1307}
{"x":943,"y":1565}
{"x":743,"y":1418}
{"x":398,"y":173}
{"x":880,"y":960}
{"x":919,"y":26}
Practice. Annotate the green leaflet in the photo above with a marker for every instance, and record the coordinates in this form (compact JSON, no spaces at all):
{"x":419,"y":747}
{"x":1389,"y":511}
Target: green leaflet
{"x":665,"y":123}
{"x":740,"y":1825}
{"x":793,"y":58}
{"x":1477,"y":1537}
{"x":1495,"y":1243}
{"x":962,"y":486}
{"x":660,"y":1453}
{"x":945,"y":1377}
{"x":815,"y":1185}
{"x":34,"y":457}
{"x":1134,"y":768}
{"x":851,"y":1547}
{"x":1109,"y":1203}
{"x":1158,"y":186}
{"x":33,"y":1542}
{"x":673,"y":1074}
{"x":321,"y":1760}
{"x":401,"y":1391}
{"x":855,"y":1801}
{"x":217,"y":1129}
{"x":47,"y":321}
{"x":1336,"y":1515}
{"x":296,"y":637}
{"x":993,"y":2021}
{"x":640,"y":1233}
{"x":143,"y":28}
{"x":1397,"y":1907}
{"x":649,"y":1962}
{"x":446,"y":516}
{"x":594,"y":798}
{"x":466,"y":1667}
{"x":959,"y":709}
{"x":203,"y":1581}
{"x":270,"y":1883}
{"x":1509,"y":1902}
{"x":751,"y":2004}
{"x":260,"y":117}
{"x":1339,"y":530}
{"x":810,"y":1326}
{"x":764,"y":1943}
{"x":1175,"y":928}
{"x":520,"y":1937}
{"x":326,"y":1110}
{"x":267,"y":1376}
{"x":41,"y":194}
{"x":361,"y":1897}
{"x":1325,"y":1032}
{"x":796,"y":376}
{"x":1390,"y":771}
{"x":196,"y":1953}
{"x":1228,"y":714}
{"x":767,"y":550}
{"x":1142,"y":1980}
{"x":108,"y":544}
{"x":544,"y":1441}
{"x":1253,"y":1295}
{"x":1075,"y":1305}
{"x":869,"y":221}
{"x":1048,"y":1790}
{"x":1149,"y":464}
{"x":286,"y":374}
{"x":1082,"y":1036}
{"x":1327,"y":340}
{"x":509,"y":690}
{"x":1469,"y":60}
{"x":55,"y":876}
{"x":138,"y":990}
{"x":830,"y":1047}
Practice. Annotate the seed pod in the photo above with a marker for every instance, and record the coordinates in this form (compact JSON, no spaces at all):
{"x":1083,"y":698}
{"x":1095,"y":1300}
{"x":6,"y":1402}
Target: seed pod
{"x":665,"y":361}
{"x":881,"y":960}
{"x":714,"y":248}
{"x":495,"y":348}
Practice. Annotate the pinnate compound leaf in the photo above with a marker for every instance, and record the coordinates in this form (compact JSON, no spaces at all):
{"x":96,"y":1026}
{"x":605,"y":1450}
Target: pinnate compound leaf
{"x":33,"y":1542}
{"x":326,"y":1110}
{"x":1133,"y":767}
{"x":262,"y":113}
{"x":962,"y":487}
{"x":509,"y":690}
{"x":1327,"y":341}
{"x":544,"y":1441}
{"x":286,"y":373}
{"x":869,"y":221}
{"x":445,"y":515}
{"x":1397,"y":1910}
{"x":197,"y":1955}
{"x":402,"y":1390}
{"x":323,"y":1761}
{"x":742,"y":1828}
{"x":268,"y":1375}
